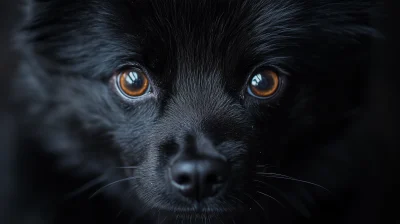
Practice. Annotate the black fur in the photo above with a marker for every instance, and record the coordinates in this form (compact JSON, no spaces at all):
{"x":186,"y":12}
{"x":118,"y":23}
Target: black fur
{"x":199,"y":56}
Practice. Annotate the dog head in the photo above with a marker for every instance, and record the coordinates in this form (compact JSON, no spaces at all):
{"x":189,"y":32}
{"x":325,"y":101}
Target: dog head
{"x":201,"y":102}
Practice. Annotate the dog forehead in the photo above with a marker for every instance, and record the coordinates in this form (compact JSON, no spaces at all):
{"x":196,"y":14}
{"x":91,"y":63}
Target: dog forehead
{"x":212,"y":23}
{"x":210,"y":36}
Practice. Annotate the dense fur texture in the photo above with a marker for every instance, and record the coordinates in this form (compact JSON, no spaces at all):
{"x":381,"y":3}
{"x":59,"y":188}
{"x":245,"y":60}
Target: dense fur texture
{"x":78,"y":129}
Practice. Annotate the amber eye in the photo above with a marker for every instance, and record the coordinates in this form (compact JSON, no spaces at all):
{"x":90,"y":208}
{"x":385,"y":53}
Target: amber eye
{"x":133,"y":82}
{"x":263,"y":84}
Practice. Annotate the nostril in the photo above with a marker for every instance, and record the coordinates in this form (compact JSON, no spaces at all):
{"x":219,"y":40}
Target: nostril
{"x":213,"y":179}
{"x":183,"y":179}
{"x":183,"y":175}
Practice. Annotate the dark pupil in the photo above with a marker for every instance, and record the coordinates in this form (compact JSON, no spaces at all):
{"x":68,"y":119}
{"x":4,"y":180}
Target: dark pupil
{"x":134,"y":80}
{"x":261,"y":82}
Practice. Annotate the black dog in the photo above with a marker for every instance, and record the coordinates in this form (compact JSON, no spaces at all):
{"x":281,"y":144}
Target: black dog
{"x":163,"y":111}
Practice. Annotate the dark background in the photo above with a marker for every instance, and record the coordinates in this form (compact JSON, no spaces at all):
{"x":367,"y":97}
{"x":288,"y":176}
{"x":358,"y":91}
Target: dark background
{"x":378,"y":135}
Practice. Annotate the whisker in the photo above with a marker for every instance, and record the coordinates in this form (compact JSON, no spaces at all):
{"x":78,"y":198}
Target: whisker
{"x":119,"y":213}
{"x":229,"y":205}
{"x":163,"y":220}
{"x":285,"y":177}
{"x":274,"y":188}
{"x":220,"y":219}
{"x":87,"y":186}
{"x":269,"y":196}
{"x":158,"y":217}
{"x":108,"y":185}
{"x":126,"y":167}
{"x":233,"y":221}
{"x":265,"y":166}
{"x":231,"y":196}
{"x":254,"y":201}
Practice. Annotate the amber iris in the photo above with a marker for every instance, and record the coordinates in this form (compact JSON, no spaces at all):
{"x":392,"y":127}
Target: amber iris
{"x":133,"y":82}
{"x":264,"y":84}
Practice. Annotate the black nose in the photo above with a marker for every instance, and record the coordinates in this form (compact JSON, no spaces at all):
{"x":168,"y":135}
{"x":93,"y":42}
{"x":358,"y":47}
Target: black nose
{"x":199,"y":179}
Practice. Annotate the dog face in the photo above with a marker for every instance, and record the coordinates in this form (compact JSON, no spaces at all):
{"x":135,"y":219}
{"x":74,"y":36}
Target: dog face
{"x":201,"y":102}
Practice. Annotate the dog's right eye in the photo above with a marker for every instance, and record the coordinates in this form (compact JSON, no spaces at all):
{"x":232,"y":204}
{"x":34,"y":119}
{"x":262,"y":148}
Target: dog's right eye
{"x":133,"y":82}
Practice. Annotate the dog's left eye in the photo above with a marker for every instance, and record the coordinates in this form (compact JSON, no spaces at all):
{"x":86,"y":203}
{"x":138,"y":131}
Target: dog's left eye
{"x":133,"y":82}
{"x":263,"y":84}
